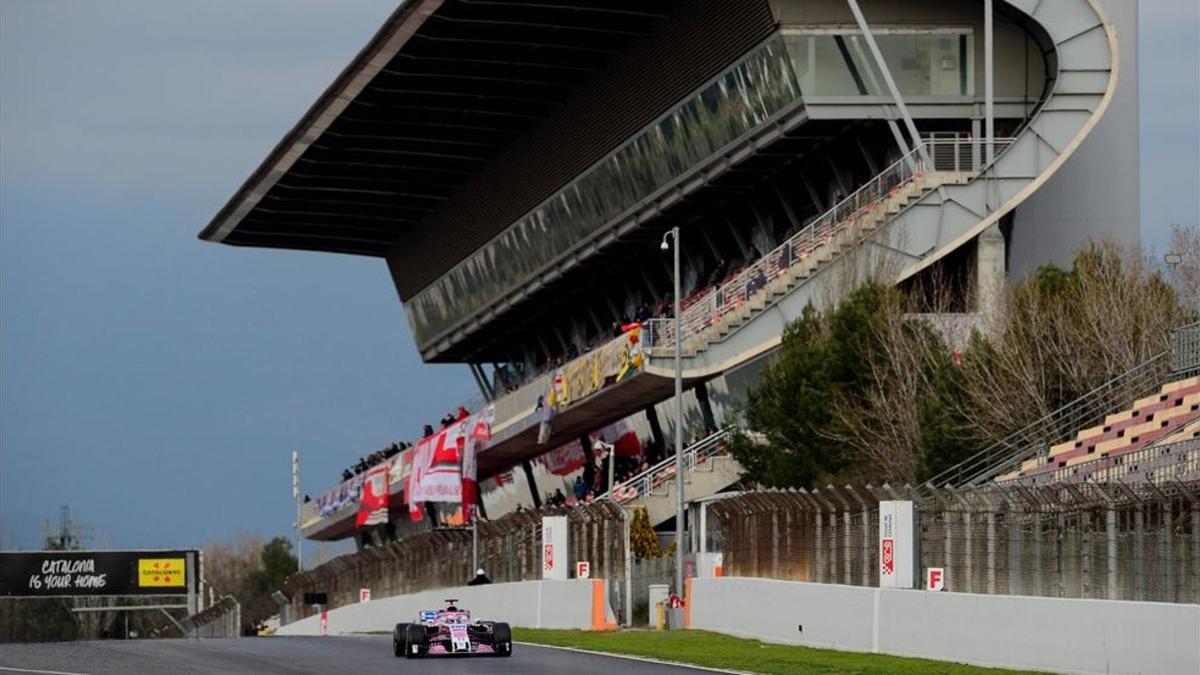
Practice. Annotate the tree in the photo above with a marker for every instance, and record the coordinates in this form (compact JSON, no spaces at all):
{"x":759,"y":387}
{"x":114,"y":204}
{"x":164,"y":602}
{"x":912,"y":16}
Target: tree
{"x":276,"y":563}
{"x":643,"y":541}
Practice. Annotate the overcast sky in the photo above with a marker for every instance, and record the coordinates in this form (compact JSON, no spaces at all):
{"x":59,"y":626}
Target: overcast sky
{"x":155,"y":383}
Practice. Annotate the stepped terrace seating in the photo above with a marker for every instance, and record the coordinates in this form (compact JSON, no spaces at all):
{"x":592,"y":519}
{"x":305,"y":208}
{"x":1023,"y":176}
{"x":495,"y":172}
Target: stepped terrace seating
{"x":1170,"y":415}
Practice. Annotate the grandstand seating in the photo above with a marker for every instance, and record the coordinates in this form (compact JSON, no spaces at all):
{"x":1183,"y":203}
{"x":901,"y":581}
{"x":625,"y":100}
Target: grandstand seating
{"x":1171,"y":415}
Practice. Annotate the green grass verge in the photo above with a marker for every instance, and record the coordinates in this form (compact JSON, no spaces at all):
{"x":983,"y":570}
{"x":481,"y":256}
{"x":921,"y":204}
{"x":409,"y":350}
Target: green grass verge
{"x":714,"y":650}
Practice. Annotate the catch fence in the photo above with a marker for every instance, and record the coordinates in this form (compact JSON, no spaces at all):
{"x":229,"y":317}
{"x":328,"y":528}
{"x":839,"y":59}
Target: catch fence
{"x":510,"y":549}
{"x":1075,"y":541}
{"x":222,"y":619}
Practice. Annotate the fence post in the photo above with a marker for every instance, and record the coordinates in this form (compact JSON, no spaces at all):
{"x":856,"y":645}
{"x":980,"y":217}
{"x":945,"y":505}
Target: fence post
{"x":833,"y":547}
{"x":991,"y":552}
{"x":1139,"y":556}
{"x":774,"y":544}
{"x":1195,"y":566}
{"x":1168,"y":560}
{"x":866,"y":547}
{"x":847,"y":558}
{"x":1111,"y":527}
{"x":966,"y":517}
{"x":1014,"y":552}
{"x":820,"y":557}
{"x":1086,"y":555}
{"x":1037,"y":553}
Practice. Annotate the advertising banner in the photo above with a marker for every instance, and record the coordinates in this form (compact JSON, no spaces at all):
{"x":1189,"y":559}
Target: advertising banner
{"x":73,"y":573}
{"x":443,"y":465}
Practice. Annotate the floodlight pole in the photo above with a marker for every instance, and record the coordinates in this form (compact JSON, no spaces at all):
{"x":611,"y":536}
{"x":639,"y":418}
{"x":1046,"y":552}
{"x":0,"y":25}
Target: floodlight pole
{"x":679,"y":513}
{"x":296,"y":496}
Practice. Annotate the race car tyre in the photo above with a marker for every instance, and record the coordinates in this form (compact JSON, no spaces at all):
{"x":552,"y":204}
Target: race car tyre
{"x":399,"y":636}
{"x":417,"y":643}
{"x":502,"y":634}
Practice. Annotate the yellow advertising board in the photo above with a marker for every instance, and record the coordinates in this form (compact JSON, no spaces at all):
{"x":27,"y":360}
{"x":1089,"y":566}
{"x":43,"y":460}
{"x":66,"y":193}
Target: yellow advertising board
{"x":162,"y":572}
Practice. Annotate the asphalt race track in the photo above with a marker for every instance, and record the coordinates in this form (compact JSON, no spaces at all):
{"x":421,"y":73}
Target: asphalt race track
{"x":355,"y":655}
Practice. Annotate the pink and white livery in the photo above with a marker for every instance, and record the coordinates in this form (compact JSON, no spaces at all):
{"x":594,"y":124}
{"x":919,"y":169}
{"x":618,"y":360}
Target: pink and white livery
{"x":451,"y":631}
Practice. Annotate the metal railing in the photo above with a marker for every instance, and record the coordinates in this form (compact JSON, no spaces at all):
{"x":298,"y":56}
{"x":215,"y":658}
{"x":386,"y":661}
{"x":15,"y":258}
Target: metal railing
{"x":1156,"y":464}
{"x":645,"y":482}
{"x":1035,"y":439}
{"x":1185,"y":349}
{"x":714,"y":306}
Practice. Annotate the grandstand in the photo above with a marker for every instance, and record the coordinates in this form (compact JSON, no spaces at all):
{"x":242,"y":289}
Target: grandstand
{"x":517,"y":163}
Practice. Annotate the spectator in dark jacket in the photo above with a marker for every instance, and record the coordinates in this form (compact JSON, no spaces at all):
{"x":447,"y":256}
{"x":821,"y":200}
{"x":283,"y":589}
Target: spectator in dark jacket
{"x":481,"y":578}
{"x":580,"y":488}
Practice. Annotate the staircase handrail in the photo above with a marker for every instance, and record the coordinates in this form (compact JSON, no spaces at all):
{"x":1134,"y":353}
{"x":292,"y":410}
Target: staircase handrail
{"x":729,"y":294}
{"x":644,"y":482}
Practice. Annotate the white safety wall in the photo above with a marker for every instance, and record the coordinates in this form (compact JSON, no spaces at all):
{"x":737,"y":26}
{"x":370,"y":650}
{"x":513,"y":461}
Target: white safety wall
{"x":531,"y":604}
{"x":1056,"y":634}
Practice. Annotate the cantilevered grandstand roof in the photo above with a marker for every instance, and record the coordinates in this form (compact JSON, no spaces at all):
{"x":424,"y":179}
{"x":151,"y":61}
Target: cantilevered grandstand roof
{"x":442,"y":88}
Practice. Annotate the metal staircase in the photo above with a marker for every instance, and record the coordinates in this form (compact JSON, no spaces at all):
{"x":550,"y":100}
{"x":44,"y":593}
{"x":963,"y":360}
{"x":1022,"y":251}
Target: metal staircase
{"x":707,"y":471}
{"x":910,"y":216}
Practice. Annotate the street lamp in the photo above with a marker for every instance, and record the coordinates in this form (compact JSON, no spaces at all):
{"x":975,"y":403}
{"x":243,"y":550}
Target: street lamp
{"x":673,"y":235}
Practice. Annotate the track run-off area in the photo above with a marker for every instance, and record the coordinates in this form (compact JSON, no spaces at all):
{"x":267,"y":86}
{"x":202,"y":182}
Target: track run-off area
{"x":344,"y":654}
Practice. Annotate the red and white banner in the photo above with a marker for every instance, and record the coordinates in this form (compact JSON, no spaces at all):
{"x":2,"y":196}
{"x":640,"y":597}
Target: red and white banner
{"x":443,"y":465}
{"x":373,"y":503}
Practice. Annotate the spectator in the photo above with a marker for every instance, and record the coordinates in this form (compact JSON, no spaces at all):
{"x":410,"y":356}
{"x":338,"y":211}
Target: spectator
{"x":643,"y":313}
{"x":580,"y":488}
{"x":462,"y":413}
{"x":428,"y":431}
{"x":559,"y":499}
{"x":347,"y":474}
{"x":481,"y":578}
{"x":447,"y":420}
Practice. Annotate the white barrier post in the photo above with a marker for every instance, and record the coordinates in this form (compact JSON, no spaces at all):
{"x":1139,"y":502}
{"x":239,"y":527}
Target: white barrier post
{"x":897,"y":546}
{"x":554,"y":548}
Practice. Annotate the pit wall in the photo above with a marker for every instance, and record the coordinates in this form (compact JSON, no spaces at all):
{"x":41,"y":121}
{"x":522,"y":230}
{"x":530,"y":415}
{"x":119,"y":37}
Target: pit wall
{"x":576,"y":603}
{"x":1052,"y":634}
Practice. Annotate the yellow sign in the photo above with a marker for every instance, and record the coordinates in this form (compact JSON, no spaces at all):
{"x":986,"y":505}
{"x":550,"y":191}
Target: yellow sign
{"x":161,"y":572}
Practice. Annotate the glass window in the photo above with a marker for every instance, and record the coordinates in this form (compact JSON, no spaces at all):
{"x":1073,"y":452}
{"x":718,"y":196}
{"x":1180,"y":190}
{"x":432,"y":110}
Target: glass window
{"x":837,"y":62}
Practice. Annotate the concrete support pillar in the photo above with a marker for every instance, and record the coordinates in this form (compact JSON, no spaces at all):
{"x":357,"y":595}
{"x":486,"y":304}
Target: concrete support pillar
{"x":989,"y":271}
{"x":706,"y":412}
{"x":656,"y":429}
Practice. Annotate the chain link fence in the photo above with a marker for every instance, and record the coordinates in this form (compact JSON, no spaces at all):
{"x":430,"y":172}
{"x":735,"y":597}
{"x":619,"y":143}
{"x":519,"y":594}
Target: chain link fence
{"x":1076,"y":541}
{"x":510,"y":549}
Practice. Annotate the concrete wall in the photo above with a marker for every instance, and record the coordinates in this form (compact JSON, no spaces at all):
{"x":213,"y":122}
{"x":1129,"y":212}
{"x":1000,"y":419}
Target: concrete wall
{"x":1063,"y":635}
{"x":531,"y":604}
{"x":1097,"y":192}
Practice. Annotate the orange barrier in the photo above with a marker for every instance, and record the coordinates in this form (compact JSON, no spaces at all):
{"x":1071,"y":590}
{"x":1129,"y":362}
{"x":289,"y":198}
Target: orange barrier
{"x":687,"y":602}
{"x":599,"y":605}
